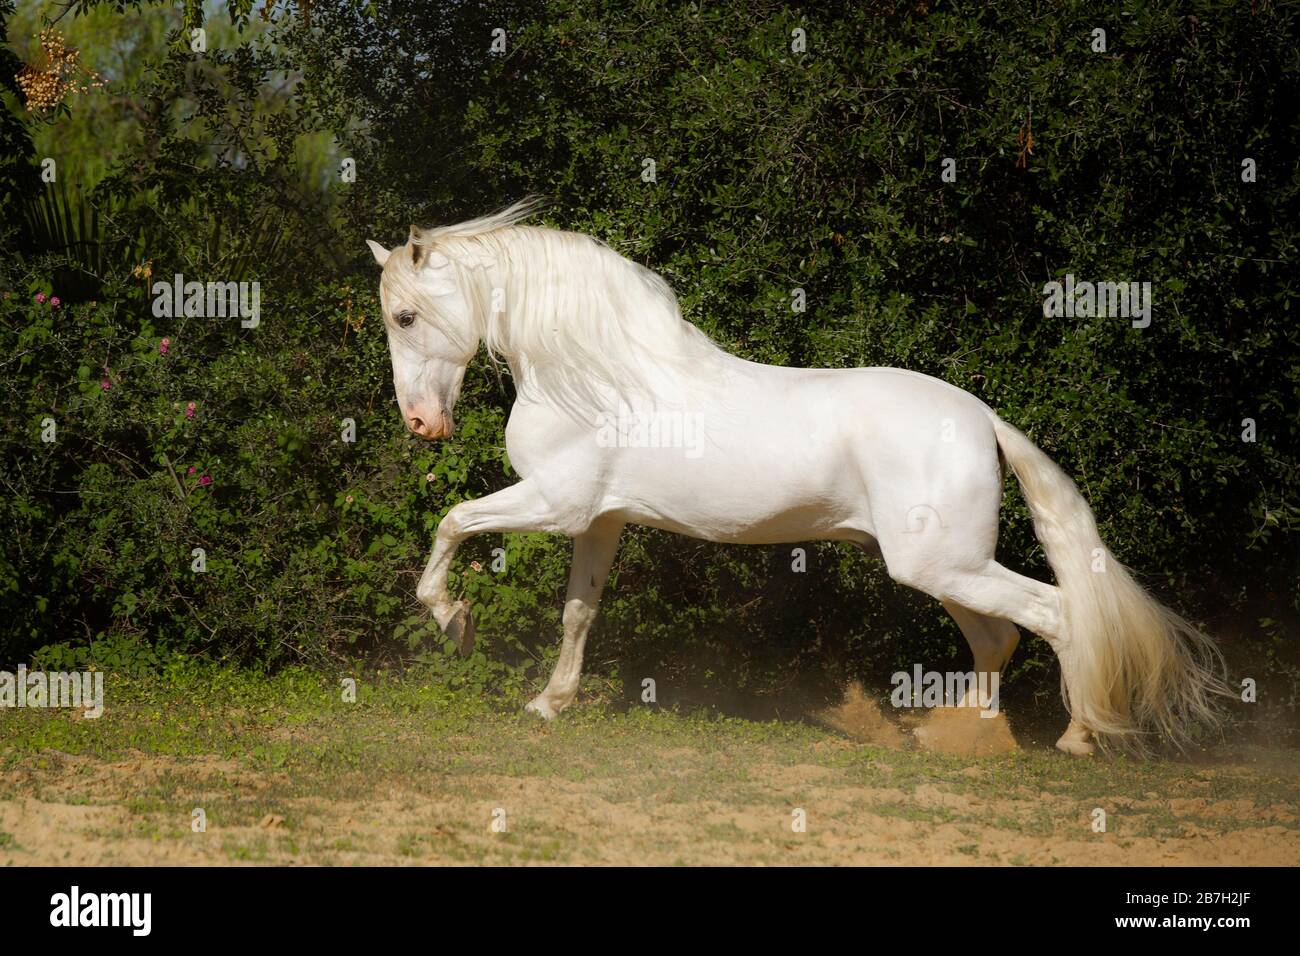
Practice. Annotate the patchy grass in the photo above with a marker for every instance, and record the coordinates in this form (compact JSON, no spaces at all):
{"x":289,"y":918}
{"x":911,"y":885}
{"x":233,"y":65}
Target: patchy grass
{"x":284,"y":771}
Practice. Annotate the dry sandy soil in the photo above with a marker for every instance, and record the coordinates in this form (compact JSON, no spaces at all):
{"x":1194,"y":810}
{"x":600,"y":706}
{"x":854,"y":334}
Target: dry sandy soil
{"x":411,"y":776}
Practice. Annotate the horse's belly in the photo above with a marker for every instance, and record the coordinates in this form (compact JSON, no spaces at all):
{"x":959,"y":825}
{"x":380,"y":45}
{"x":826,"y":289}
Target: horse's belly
{"x":739,"y":497}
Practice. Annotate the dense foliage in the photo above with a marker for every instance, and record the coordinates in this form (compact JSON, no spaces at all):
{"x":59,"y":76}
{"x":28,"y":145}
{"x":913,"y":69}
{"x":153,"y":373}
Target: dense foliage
{"x":775,"y":168}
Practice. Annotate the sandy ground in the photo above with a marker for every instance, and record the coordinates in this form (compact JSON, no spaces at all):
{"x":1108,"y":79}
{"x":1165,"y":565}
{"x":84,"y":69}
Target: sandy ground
{"x":578,"y":823}
{"x":607,"y":791}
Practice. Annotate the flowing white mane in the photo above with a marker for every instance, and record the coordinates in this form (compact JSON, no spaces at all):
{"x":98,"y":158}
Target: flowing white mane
{"x":563,"y":308}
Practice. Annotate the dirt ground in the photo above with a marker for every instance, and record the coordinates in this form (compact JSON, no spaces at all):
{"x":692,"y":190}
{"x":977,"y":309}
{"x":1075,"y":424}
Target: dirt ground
{"x":411,"y":777}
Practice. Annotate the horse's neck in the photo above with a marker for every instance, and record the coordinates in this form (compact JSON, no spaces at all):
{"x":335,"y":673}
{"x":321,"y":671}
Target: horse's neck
{"x":704,"y":371}
{"x":714,"y":384}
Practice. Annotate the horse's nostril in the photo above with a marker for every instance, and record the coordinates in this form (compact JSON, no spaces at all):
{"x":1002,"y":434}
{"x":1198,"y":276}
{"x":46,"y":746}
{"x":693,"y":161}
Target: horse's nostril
{"x":417,"y":424}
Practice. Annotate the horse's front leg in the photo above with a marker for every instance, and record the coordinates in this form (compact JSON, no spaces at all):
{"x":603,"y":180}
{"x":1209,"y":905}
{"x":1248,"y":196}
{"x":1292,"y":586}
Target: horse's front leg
{"x":593,"y":555}
{"x":517,"y":508}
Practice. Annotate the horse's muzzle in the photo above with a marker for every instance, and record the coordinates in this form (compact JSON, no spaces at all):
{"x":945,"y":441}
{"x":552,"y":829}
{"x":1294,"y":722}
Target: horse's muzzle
{"x":432,"y":427}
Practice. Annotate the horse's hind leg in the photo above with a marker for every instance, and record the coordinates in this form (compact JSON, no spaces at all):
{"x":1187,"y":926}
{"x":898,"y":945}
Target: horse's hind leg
{"x":998,"y":592}
{"x":973,"y":724}
{"x":992,"y":641}
{"x":593,"y":555}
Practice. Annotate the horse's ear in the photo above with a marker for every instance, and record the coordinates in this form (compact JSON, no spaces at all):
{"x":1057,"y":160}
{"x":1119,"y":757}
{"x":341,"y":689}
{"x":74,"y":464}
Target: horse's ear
{"x":380,"y":253}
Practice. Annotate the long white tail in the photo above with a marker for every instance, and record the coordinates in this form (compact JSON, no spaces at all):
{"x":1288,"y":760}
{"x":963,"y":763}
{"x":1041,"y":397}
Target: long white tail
{"x":1140,"y":673}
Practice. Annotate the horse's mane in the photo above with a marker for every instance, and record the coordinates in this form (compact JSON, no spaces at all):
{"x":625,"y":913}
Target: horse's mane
{"x":571,"y":312}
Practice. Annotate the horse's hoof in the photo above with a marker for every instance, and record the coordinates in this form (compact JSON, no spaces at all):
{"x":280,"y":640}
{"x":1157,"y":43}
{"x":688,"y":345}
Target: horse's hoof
{"x":540,"y":707}
{"x":1075,"y":746}
{"x":460,"y":628}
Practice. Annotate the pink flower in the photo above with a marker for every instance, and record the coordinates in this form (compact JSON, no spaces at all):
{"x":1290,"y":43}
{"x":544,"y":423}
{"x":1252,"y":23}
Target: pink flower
{"x":54,"y":302}
{"x":163,"y":346}
{"x":40,"y":297}
{"x":189,"y":410}
{"x":205,"y":480}
{"x":429,"y":477}
{"x":191,"y":471}
{"x":106,"y":384}
{"x":476,"y":566}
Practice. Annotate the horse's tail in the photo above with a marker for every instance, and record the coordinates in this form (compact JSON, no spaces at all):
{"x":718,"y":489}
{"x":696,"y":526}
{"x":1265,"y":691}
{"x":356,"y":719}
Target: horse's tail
{"x":1138,"y":670}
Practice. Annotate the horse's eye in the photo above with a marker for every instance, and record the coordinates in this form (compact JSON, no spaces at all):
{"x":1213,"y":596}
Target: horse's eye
{"x":404,"y":319}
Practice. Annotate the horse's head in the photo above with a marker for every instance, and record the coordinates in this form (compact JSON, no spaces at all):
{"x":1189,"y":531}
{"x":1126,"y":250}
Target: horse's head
{"x":432,"y":331}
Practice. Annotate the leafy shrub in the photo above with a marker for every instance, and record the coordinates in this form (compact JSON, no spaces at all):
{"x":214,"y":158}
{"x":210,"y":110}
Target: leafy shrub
{"x":775,"y":170}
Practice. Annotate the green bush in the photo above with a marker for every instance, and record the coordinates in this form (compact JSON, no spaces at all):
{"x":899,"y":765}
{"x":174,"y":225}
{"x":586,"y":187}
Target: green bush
{"x":231,"y":440}
{"x":775,"y":170}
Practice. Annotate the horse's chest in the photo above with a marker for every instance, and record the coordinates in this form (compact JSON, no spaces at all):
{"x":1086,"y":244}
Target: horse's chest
{"x":536,"y":435}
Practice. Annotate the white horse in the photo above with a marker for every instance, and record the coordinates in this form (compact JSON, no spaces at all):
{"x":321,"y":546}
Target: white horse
{"x":628,"y":413}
